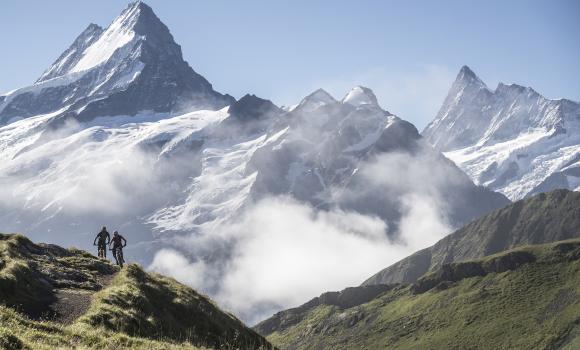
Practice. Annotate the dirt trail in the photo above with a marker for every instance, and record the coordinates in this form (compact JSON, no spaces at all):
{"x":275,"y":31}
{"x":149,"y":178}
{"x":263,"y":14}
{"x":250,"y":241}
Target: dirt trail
{"x":71,"y":304}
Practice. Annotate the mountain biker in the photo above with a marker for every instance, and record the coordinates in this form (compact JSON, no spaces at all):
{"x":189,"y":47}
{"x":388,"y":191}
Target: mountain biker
{"x":118,"y":242}
{"x":104,"y":238}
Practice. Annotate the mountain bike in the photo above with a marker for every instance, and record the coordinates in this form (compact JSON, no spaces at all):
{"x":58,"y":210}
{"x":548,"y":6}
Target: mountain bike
{"x":101,"y":250}
{"x":118,"y":255}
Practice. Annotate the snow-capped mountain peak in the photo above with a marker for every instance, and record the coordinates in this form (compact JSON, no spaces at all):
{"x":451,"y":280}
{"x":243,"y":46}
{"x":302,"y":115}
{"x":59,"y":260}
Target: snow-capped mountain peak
{"x":319,"y":96}
{"x":511,"y":139}
{"x":360,"y":95}
{"x":134,"y":16}
{"x":467,"y":76}
{"x":133,"y":65}
{"x":96,"y":46}
{"x":315,"y":100}
{"x":120,"y":33}
{"x":73,"y":54}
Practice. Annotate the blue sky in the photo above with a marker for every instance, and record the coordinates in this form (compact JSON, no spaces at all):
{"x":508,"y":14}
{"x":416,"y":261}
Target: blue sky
{"x":408,"y":52}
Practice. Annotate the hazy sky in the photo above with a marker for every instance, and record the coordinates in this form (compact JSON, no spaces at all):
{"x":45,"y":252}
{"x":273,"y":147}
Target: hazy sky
{"x":408,"y":52}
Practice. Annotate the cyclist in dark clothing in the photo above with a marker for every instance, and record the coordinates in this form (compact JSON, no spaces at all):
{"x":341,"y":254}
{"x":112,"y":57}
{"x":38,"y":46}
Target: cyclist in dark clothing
{"x":104,"y":238}
{"x":118,"y":242}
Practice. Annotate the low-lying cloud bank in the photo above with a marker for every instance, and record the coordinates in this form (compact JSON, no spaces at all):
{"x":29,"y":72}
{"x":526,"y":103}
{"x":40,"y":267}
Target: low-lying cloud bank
{"x":286,"y":252}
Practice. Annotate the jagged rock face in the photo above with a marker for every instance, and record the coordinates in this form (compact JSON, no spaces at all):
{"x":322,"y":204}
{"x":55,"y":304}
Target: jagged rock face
{"x":472,"y":113}
{"x":467,"y":90}
{"x":450,"y":273}
{"x":251,"y":107}
{"x":133,"y":65}
{"x":510,"y":139}
{"x":322,"y":144}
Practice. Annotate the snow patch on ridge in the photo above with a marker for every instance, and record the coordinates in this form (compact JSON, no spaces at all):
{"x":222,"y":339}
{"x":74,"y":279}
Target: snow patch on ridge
{"x":119,"y":34}
{"x":360,"y":95}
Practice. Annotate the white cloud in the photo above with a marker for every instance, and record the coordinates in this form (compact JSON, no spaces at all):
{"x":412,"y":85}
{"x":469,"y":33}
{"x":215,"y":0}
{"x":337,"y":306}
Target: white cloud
{"x":171,"y":262}
{"x":423,"y":223}
{"x":424,"y":173}
{"x":287,"y":252}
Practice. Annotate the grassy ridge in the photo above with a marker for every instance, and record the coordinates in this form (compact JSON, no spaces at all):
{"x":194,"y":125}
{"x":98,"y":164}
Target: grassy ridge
{"x":153,"y":306}
{"x":30,"y":273}
{"x":137,"y":310}
{"x":491,"y":303}
{"x":19,"y":332}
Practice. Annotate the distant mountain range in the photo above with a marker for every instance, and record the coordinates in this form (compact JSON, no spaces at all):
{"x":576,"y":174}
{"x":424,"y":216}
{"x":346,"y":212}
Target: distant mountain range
{"x":511,"y":139}
{"x":120,"y":130}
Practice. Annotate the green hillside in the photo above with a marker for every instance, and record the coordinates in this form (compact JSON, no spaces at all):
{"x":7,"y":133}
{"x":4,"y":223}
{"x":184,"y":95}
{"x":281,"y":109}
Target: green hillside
{"x":527,"y":298}
{"x":66,"y":298}
{"x":544,"y":218}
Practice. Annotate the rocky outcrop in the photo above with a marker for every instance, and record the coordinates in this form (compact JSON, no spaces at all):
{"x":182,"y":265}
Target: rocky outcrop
{"x":455,"y":272}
